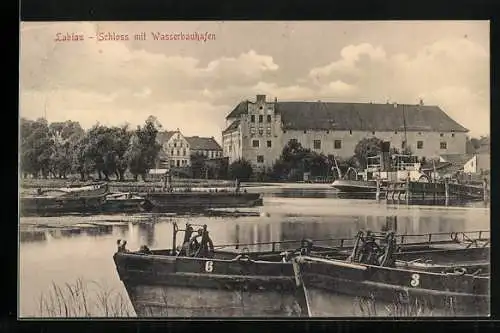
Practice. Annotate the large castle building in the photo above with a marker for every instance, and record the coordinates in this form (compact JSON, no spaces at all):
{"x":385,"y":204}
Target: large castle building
{"x":257,"y":131}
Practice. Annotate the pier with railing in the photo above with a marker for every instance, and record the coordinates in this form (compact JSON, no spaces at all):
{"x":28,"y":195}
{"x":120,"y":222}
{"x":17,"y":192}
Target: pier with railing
{"x":412,"y":191}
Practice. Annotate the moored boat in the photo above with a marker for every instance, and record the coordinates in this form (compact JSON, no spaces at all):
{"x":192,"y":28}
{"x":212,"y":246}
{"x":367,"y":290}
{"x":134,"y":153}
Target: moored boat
{"x":123,"y":202}
{"x":372,"y":273}
{"x":355,"y":186}
{"x":79,"y":199}
{"x":379,"y":169}
{"x":200,"y":200}
{"x":207,"y":282}
{"x":196,"y":281}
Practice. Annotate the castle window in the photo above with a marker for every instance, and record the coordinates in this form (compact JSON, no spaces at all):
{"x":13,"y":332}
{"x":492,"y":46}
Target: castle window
{"x":373,"y":133}
{"x":260,"y":159}
{"x":252,"y":118}
{"x":395,"y":132}
{"x":419,"y":133}
{"x":269,"y":130}
{"x":269,"y":143}
{"x":175,"y":144}
{"x":350,"y":132}
{"x":261,"y":118}
{"x":172,"y":152}
{"x":269,"y":118}
{"x":260,"y":108}
{"x":327,"y":132}
{"x":441,"y":134}
{"x":255,"y":143}
{"x":443,"y":145}
{"x":337,"y":144}
{"x":403,"y":144}
{"x":252,"y":130}
{"x":452,"y":135}
{"x":317,"y":144}
{"x":284,"y":131}
{"x":305,"y":131}
{"x":261,"y":130}
{"x":420,"y":144}
{"x":184,"y":152}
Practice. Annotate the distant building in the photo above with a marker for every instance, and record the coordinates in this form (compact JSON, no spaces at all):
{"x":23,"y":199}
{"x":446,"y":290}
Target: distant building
{"x":258,"y":131}
{"x":479,"y":164}
{"x":207,"y":147}
{"x":176,"y":149}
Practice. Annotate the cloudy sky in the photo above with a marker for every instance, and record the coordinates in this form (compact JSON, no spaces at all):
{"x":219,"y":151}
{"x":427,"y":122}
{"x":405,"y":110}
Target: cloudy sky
{"x":192,"y":85}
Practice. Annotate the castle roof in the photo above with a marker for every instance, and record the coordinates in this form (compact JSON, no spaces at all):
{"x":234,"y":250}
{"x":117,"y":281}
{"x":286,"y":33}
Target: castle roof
{"x":359,"y":116}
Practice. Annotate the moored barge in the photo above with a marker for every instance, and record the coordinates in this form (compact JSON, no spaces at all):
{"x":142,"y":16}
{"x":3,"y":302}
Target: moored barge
{"x":374,"y":275}
{"x":77,"y":199}
{"x":195,"y":280}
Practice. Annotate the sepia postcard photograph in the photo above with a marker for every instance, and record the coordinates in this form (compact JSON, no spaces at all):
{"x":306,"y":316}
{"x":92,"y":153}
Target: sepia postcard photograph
{"x":254,"y":169}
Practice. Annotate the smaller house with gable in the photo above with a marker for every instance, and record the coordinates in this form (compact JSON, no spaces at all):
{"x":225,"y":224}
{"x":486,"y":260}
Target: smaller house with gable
{"x":176,"y":149}
{"x":207,"y":147}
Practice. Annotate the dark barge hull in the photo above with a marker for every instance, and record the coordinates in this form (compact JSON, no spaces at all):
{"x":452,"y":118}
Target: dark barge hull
{"x":169,"y":286}
{"x":162,"y":285}
{"x":41,"y":206}
{"x":356,"y":186}
{"x":123,"y":205}
{"x":434,"y":293}
{"x":189,"y":201}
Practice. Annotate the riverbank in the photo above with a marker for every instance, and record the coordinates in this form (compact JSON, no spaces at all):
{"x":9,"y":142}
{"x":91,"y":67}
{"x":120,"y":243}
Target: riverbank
{"x":28,"y":185}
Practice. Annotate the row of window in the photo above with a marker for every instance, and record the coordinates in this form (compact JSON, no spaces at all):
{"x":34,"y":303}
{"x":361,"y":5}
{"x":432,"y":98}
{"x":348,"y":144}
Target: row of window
{"x":178,"y":163}
{"x":178,"y":152}
{"x":261,"y":118}
{"x":181,"y":145}
{"x":373,"y":133}
{"x":337,"y":144}
{"x":420,"y":145}
{"x":256,"y":143}
{"x":210,"y":153}
{"x":253,"y":130}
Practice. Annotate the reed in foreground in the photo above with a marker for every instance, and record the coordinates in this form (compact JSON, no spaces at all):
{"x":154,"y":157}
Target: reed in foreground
{"x":83,"y":299}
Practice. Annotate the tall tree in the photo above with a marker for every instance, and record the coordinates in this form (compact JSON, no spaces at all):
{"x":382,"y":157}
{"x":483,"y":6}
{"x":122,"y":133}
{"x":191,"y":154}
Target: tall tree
{"x":367,"y":147}
{"x":144,"y":149}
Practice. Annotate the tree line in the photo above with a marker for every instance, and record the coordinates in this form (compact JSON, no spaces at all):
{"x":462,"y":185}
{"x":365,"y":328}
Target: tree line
{"x":295,"y":161}
{"x":59,"y":149}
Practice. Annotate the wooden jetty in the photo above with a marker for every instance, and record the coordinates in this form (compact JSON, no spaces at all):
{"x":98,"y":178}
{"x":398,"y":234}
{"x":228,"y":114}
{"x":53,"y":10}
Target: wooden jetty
{"x":409,"y":191}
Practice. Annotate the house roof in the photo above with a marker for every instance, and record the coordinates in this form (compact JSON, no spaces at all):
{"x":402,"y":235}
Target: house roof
{"x":457,"y":161}
{"x":234,"y":125}
{"x":165,"y":136}
{"x":201,"y":143}
{"x":241,"y":108}
{"x":359,"y":116}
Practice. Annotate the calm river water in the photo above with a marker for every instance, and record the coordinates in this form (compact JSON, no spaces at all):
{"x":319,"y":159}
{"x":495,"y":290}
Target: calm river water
{"x":60,"y":250}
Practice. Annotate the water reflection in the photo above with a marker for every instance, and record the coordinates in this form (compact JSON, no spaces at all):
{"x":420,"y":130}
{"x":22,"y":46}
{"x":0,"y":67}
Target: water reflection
{"x":304,"y":193}
{"x":30,"y":236}
{"x":295,"y":229}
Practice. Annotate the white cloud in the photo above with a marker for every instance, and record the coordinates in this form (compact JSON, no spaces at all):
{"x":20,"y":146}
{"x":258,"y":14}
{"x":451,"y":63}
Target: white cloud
{"x":451,"y":73}
{"x":347,"y":64}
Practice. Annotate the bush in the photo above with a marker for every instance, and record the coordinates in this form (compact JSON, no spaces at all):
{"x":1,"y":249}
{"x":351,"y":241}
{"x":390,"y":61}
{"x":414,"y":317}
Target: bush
{"x":241,"y":170}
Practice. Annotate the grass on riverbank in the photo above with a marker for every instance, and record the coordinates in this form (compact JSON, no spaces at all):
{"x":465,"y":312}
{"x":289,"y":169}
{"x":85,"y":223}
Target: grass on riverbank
{"x":83,"y":299}
{"x":405,"y":307}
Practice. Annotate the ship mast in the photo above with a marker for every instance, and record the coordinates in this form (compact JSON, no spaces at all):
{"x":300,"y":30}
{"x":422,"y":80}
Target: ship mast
{"x":404,"y":127}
